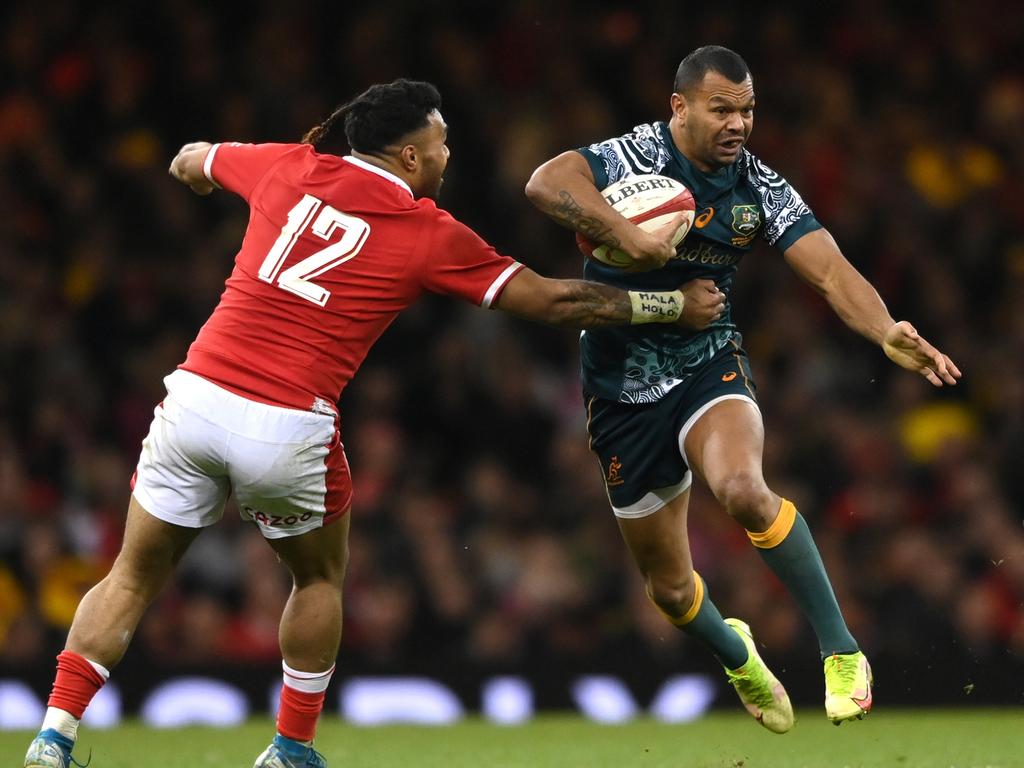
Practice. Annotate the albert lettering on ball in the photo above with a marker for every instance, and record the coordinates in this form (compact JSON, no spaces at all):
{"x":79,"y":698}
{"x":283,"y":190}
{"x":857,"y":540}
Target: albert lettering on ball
{"x":649,"y":201}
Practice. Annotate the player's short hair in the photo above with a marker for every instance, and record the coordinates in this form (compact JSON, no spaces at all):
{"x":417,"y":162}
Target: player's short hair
{"x":709,"y":58}
{"x":378,"y":117}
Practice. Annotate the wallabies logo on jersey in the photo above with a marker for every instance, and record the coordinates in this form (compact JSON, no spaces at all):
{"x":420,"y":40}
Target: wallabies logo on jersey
{"x":746,"y":220}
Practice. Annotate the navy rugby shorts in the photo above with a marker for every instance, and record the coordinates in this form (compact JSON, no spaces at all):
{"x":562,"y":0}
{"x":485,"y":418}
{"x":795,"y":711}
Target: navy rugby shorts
{"x":640,"y":447}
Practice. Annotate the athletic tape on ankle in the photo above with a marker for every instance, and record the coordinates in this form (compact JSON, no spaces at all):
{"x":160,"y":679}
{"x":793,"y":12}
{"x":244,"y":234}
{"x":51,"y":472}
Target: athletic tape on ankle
{"x":307,"y":682}
{"x":61,"y":721}
{"x":778,"y":530}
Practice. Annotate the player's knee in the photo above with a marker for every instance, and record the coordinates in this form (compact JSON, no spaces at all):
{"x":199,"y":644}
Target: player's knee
{"x":325,"y":573}
{"x":673,"y":596}
{"x":316,"y":557}
{"x":747,"y":500}
{"x":143,"y":571}
{"x":328,"y":569}
{"x":128,"y":578}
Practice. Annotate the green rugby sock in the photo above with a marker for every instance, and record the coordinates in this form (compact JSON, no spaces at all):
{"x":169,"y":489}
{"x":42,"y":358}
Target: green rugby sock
{"x":704,"y":622}
{"x":789,"y":550}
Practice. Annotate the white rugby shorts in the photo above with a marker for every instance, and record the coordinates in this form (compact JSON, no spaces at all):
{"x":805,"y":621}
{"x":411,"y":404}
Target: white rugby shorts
{"x":287,"y":468}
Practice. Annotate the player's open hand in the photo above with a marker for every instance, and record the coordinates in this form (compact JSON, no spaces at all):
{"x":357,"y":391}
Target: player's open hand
{"x":703,"y":304}
{"x":651,"y":250}
{"x":905,"y":347}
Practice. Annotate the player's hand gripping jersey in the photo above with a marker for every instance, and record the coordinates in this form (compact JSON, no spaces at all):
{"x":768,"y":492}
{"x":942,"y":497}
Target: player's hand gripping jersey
{"x":334,"y":250}
{"x":736,"y":204}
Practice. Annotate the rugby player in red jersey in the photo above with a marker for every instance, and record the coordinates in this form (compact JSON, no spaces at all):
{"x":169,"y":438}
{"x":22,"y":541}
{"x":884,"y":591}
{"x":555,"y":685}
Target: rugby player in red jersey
{"x":335,"y":248}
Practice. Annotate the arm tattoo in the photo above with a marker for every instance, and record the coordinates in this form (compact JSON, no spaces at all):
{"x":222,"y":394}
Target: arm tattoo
{"x":570,"y":213}
{"x":594,"y":305}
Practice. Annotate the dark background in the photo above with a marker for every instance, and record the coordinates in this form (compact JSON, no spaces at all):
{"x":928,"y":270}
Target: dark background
{"x":482,"y":540}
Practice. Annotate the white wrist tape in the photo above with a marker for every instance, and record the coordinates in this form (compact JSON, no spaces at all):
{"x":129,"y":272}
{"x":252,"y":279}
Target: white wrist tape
{"x":656,"y":306}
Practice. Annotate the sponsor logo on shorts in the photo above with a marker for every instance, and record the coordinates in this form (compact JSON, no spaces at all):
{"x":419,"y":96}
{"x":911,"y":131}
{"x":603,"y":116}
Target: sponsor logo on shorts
{"x":614,"y":468}
{"x":322,"y":407}
{"x":275,"y":521}
{"x":729,"y":376}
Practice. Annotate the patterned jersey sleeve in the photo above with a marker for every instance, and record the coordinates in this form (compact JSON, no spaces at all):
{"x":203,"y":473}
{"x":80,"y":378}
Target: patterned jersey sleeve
{"x":787,"y":216}
{"x":460,"y":263}
{"x":239,"y":167}
{"x":642,"y":151}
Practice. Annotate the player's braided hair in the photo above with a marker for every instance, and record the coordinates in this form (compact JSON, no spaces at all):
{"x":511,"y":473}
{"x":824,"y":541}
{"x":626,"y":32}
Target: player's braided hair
{"x":709,"y":58}
{"x":378,"y":117}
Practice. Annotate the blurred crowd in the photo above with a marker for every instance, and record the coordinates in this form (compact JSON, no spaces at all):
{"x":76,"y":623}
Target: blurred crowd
{"x":481,"y":532}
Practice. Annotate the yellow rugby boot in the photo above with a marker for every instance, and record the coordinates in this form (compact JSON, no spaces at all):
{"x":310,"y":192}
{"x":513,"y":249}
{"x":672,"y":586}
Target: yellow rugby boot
{"x":847,"y":687}
{"x":760,"y":691}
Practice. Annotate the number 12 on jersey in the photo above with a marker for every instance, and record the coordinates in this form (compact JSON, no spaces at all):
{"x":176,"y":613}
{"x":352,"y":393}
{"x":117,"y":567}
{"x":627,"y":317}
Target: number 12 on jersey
{"x":298,"y":278}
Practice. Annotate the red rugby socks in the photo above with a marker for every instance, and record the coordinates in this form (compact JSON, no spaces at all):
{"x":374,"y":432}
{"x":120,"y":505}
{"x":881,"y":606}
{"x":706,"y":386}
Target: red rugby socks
{"x":76,"y":682}
{"x":302,"y":699}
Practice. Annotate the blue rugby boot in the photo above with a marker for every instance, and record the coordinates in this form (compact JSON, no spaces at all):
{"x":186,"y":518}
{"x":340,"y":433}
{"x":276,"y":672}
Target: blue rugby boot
{"x":287,"y":753}
{"x":50,"y":749}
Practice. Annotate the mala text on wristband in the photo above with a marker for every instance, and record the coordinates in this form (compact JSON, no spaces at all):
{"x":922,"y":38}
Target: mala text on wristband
{"x":656,"y":306}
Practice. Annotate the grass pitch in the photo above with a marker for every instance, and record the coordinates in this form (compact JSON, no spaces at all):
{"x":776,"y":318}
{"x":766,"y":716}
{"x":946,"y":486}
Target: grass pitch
{"x":886,"y":739}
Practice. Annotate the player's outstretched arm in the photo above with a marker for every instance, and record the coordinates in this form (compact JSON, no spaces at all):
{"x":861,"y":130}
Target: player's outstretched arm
{"x":563,"y":188}
{"x":817,"y":259}
{"x":187,"y":167}
{"x":586,"y":304}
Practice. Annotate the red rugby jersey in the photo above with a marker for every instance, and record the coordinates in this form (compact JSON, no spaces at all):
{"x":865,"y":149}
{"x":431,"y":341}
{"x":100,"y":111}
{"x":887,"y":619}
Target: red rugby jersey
{"x":334,"y":250}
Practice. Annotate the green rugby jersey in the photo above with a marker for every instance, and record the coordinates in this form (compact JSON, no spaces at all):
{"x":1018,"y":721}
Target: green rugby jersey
{"x":735,"y":205}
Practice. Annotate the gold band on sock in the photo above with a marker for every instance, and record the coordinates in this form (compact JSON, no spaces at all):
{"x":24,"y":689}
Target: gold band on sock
{"x":691,"y":612}
{"x":778,"y":530}
{"x":698,"y":598}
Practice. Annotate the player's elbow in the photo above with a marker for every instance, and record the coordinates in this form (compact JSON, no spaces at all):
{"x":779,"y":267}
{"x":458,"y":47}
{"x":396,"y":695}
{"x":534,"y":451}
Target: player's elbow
{"x":538,"y":188}
{"x":547,"y":301}
{"x":562,"y":306}
{"x":558,"y":303}
{"x":546,"y":184}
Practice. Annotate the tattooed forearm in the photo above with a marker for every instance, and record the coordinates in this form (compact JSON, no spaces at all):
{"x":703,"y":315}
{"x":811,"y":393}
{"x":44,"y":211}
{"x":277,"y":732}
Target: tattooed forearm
{"x":592,"y":305}
{"x":570,"y":213}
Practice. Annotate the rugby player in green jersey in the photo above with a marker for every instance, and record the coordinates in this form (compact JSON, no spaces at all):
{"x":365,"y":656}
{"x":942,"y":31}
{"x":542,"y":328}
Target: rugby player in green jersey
{"x":666,"y":403}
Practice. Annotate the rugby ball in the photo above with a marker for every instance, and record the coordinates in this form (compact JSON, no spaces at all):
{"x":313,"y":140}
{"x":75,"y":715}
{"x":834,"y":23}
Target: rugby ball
{"x":649,"y":201}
